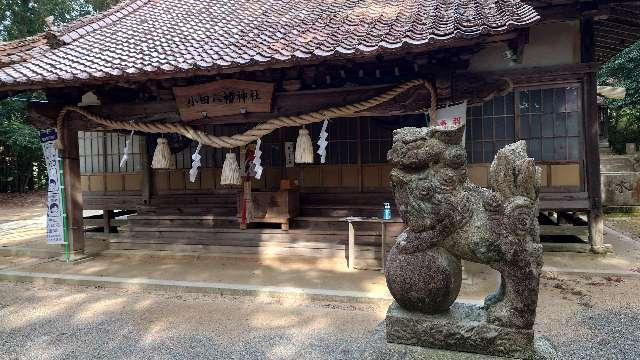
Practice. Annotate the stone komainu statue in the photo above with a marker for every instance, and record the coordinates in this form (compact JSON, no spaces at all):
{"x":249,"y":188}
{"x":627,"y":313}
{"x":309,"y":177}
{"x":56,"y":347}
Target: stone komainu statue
{"x":448,"y":219}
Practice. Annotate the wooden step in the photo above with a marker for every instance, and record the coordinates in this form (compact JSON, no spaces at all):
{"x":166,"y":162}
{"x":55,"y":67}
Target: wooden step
{"x":240,"y":239}
{"x":362,"y":252}
{"x":341,"y":211}
{"x":348,"y":199}
{"x":253,"y":230}
{"x":338,"y":223}
{"x":257,"y":242}
{"x":203,"y":235}
{"x":181,"y":220}
{"x":213,"y":210}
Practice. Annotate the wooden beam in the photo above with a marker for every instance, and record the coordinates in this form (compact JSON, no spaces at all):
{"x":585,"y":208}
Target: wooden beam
{"x":543,"y":74}
{"x":564,"y":230}
{"x":473,"y":87}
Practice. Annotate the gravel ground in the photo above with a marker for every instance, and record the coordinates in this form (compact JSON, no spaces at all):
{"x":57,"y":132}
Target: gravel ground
{"x":65,"y":322}
{"x":585,"y":317}
{"x":591,"y":317}
{"x":628,"y":225}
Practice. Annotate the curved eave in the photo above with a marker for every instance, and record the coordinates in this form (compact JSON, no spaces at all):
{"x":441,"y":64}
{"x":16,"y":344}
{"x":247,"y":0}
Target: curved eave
{"x":408,"y":45}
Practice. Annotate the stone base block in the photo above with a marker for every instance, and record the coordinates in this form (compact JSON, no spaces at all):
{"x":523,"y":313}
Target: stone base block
{"x":463,"y":328}
{"x":376,"y":347}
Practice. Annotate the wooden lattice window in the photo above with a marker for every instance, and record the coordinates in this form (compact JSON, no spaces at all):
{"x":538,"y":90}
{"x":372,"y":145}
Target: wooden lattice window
{"x":549,"y":119}
{"x":343,"y":141}
{"x":101,"y":152}
{"x":490,"y":127}
{"x":551,"y":122}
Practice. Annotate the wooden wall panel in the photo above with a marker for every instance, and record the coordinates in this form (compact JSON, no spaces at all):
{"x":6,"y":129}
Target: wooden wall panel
{"x":565,"y":175}
{"x":160,"y":181}
{"x":331,"y":176}
{"x":350,"y":177}
{"x":311,"y":177}
{"x":371,"y":177}
{"x":196,"y":185}
{"x":207,"y":179}
{"x":84,"y":180}
{"x":96,"y":183}
{"x":177,"y":179}
{"x":292,"y":173}
{"x":132,"y":182}
{"x":385,"y":170}
{"x":114,"y":182}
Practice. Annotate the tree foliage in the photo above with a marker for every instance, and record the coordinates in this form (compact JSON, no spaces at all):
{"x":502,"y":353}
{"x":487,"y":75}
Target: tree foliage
{"x":623,"y":70}
{"x":21,"y":165}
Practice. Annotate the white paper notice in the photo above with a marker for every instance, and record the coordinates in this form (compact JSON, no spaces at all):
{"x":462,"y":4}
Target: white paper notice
{"x":55,"y":226}
{"x":452,"y":117}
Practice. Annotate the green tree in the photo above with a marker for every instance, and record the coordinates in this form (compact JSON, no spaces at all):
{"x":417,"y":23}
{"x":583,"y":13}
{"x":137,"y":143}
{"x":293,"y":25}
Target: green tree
{"x":623,"y":70}
{"x":21,"y":163}
{"x":20,"y":153}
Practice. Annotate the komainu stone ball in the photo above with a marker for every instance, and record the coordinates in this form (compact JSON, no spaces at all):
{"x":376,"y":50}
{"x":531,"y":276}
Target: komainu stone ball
{"x":425,"y":281}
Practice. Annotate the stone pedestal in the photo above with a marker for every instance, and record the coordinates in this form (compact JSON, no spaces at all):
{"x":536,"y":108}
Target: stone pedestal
{"x":463,"y":328}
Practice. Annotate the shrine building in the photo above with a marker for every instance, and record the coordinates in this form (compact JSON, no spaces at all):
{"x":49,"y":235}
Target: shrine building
{"x":253,"y":87}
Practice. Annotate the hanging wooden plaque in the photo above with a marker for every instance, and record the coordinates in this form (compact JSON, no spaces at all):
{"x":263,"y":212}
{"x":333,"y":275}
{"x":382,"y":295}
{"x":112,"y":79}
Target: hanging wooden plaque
{"x":224,"y":97}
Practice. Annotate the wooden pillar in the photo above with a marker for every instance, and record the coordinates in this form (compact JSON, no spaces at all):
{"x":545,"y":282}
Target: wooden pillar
{"x":106,"y":220}
{"x":73,"y":190}
{"x":359,"y":148}
{"x":147,"y":172}
{"x":591,"y":136}
{"x":352,"y":247}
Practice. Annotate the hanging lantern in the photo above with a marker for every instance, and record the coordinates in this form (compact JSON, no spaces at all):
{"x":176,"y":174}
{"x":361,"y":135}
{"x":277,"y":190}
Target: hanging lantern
{"x":230,"y":171}
{"x":304,"y":147}
{"x":162,"y":157}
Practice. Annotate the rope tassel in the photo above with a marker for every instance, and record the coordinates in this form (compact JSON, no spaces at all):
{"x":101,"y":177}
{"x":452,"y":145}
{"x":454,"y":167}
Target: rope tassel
{"x":162,"y":157}
{"x":230,"y":171}
{"x":304,"y":148}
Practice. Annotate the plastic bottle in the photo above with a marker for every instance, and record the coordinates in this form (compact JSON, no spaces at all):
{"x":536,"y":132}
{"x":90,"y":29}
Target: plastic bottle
{"x":387,"y":211}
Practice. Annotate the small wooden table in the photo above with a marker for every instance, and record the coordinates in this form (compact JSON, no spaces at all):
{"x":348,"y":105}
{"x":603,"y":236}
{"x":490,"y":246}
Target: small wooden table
{"x":352,"y":236}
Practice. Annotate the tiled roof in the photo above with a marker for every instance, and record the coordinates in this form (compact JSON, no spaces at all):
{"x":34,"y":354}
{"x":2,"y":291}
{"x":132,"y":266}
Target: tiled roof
{"x":143,"y":37}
